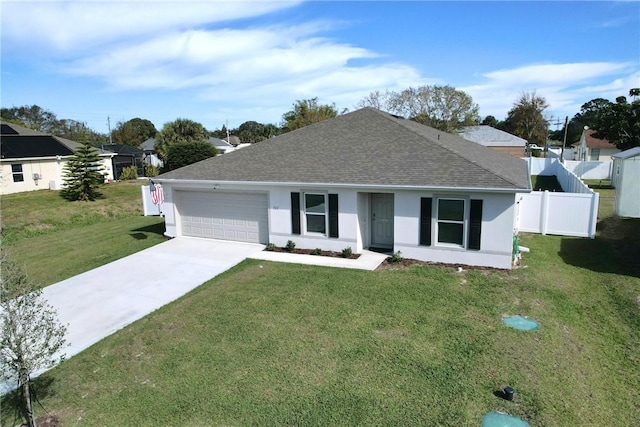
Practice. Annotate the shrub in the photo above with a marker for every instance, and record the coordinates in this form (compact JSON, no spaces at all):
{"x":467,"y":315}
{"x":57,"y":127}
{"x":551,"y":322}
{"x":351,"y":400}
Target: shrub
{"x":347,"y":252}
{"x":316,"y":251}
{"x":182,"y":154}
{"x":270,"y":247}
{"x":396,"y":257}
{"x":130,"y":172}
{"x":151,"y":171}
{"x":290,"y":245}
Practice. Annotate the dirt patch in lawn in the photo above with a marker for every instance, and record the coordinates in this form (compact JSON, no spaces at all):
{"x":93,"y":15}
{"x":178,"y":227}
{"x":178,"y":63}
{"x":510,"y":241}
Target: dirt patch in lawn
{"x":406,"y":263}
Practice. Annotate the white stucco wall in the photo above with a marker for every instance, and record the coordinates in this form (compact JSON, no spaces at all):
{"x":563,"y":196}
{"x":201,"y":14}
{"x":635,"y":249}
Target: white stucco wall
{"x":496,"y":240}
{"x":280,"y":220}
{"x":48,"y":169}
{"x":51,"y":172}
{"x":498,"y":218}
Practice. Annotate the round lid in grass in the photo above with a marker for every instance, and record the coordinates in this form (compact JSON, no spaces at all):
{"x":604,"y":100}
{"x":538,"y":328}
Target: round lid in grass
{"x":520,"y":323}
{"x":500,"y":419}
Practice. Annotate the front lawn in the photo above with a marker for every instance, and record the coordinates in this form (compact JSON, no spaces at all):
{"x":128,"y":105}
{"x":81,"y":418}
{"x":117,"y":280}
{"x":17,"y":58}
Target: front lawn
{"x":54,"y":239}
{"x":281,"y":344}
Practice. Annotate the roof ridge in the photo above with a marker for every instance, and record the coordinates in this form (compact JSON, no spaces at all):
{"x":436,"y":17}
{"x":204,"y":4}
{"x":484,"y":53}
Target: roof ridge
{"x":444,"y":146}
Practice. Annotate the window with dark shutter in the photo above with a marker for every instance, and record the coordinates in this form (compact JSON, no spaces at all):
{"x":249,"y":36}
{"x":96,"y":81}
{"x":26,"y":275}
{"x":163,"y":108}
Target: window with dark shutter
{"x":295,"y":213}
{"x":333,"y":215}
{"x":475,"y":224}
{"x":425,"y":221}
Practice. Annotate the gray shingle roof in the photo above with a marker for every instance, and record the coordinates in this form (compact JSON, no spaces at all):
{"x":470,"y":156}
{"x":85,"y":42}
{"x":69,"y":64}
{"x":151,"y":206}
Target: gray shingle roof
{"x":365,"y":147}
{"x":491,"y":137}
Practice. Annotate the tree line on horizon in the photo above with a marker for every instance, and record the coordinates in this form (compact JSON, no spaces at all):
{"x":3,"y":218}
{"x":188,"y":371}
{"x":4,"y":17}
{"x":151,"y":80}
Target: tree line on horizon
{"x":442,"y":107}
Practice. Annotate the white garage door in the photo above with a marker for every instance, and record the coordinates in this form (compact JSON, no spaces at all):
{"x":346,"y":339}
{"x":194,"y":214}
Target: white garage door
{"x":228,"y":216}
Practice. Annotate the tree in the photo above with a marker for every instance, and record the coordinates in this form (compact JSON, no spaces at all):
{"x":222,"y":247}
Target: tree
{"x":441,"y":107}
{"x":220,"y":133}
{"x":182,"y":154}
{"x":180,"y":130}
{"x":83,"y":175}
{"x":619,"y":122}
{"x":586,"y":117}
{"x":307,"y":112}
{"x":133,"y":132}
{"x":526,"y":118}
{"x":35,"y":117}
{"x":251,"y":132}
{"x":31,"y":335}
{"x":31,"y":116}
{"x":490,"y":121}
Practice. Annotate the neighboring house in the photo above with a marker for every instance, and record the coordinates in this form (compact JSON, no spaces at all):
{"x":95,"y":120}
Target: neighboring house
{"x":221,"y":145}
{"x":495,"y":139}
{"x":233,"y":140}
{"x":340,"y":183}
{"x":32,"y":160}
{"x":150,"y":156}
{"x":626,"y":180}
{"x":593,"y":149}
{"x":124,"y":157}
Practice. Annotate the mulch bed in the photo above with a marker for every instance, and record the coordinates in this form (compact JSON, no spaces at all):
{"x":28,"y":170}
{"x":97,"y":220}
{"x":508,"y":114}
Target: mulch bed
{"x":312,"y":252}
{"x":388,"y":263}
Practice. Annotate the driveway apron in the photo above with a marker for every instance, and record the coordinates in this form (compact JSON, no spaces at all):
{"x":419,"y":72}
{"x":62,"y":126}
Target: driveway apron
{"x":99,"y":302}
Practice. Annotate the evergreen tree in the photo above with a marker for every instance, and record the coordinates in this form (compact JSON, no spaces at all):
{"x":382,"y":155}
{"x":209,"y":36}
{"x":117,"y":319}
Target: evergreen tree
{"x":83,"y":175}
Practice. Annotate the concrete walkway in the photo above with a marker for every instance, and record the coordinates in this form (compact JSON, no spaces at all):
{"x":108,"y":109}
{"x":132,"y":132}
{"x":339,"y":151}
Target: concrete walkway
{"x":367,"y":261}
{"x":101,"y":301}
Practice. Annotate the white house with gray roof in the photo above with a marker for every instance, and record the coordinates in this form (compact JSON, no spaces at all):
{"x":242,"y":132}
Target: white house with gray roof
{"x":336,"y":184}
{"x":495,"y":139}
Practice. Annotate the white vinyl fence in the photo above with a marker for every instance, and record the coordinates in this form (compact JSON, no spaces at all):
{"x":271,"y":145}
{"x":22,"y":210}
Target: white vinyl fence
{"x":590,"y":170}
{"x":572,"y":213}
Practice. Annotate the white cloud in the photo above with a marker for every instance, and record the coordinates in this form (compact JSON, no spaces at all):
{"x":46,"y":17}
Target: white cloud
{"x":70,"y":27}
{"x":565,"y":86}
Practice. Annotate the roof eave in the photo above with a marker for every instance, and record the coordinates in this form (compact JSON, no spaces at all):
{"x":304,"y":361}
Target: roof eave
{"x":346,"y":185}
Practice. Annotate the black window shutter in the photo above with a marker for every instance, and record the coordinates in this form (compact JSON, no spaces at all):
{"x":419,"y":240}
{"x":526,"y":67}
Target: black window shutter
{"x":295,"y":213}
{"x":475,"y":226}
{"x":333,"y":215}
{"x":425,"y":221}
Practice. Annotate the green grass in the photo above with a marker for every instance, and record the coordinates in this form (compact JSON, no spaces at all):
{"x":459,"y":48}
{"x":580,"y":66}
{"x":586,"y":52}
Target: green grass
{"x":54,"y":239}
{"x":543,"y":182}
{"x":280,"y":344}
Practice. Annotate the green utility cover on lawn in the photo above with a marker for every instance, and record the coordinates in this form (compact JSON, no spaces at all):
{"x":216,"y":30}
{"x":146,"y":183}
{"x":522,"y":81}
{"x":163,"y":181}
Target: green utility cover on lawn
{"x":520,"y":323}
{"x":499,"y":419}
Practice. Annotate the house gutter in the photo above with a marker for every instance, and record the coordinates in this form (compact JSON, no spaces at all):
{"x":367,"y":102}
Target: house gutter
{"x":26,"y":159}
{"x":350,"y":186}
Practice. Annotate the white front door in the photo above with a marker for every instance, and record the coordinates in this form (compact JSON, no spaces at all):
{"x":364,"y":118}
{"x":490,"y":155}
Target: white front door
{"x":382,"y":220}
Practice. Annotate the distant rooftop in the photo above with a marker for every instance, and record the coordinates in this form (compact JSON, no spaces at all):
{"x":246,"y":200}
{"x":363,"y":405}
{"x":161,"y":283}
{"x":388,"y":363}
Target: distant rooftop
{"x":491,"y":137}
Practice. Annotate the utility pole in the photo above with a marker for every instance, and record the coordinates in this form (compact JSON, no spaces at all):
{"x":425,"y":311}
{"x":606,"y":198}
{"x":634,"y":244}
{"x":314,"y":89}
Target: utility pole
{"x":109,"y":126}
{"x":564,"y":140}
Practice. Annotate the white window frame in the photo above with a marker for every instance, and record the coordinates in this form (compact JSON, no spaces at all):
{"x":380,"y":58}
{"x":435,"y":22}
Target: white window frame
{"x":325,"y":213}
{"x":21,"y":173}
{"x":464,"y":222}
{"x":595,"y":154}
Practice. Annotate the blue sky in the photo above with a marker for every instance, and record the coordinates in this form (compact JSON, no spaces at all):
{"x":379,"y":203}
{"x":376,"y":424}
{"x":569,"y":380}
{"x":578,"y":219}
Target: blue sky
{"x":217,"y":62}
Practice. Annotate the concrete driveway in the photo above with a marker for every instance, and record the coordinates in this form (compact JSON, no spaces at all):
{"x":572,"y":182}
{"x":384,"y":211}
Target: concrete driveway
{"x":99,"y":302}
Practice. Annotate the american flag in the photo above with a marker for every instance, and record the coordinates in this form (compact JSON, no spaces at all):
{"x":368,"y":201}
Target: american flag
{"x":157,"y":196}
